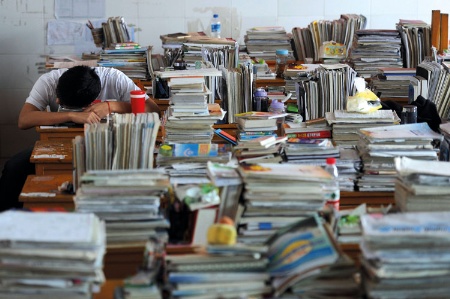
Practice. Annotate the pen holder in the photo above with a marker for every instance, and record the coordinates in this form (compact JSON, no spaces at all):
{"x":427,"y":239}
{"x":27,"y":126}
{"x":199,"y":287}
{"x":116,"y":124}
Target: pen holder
{"x":98,"y":36}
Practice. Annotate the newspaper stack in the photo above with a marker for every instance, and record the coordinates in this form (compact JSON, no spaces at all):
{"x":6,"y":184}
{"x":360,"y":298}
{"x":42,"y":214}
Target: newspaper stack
{"x":379,"y":146}
{"x":422,"y":185}
{"x":51,"y":255}
{"x":277,"y":195}
{"x":406,"y":255}
{"x":128,"y":201}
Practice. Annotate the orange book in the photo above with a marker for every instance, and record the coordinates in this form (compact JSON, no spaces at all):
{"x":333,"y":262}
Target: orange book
{"x":444,"y":33}
{"x":435,"y":28}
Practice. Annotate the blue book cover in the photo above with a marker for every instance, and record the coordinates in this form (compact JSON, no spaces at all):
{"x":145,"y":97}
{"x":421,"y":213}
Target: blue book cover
{"x":200,"y":149}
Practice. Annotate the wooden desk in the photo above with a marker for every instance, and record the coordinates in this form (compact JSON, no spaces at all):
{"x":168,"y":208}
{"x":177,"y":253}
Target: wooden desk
{"x":350,"y":200}
{"x":52,"y":157}
{"x":41,"y":191}
{"x":120,"y":263}
{"x":107,"y":289}
{"x":59,"y":133}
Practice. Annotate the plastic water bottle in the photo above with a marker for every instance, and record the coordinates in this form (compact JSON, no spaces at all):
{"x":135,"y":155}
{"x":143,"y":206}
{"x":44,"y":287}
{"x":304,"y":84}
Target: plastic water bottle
{"x":215,"y":26}
{"x":332,"y":191}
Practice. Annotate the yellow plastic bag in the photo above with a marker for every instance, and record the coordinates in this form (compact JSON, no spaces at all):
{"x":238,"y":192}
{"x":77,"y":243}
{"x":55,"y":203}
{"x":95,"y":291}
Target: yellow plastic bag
{"x":364,"y":101}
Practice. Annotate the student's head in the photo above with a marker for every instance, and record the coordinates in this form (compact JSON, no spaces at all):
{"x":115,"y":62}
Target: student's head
{"x":78,"y":87}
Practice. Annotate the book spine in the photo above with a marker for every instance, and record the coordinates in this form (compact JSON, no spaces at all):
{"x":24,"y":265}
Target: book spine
{"x":317,"y":134}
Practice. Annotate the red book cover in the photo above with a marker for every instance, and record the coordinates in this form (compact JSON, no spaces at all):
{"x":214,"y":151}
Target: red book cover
{"x":315,"y":134}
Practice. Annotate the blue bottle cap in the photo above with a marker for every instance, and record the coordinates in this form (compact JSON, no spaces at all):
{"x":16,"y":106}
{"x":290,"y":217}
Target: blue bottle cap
{"x":215,"y":15}
{"x":276,"y":105}
{"x":282,"y":52}
{"x":260,"y":92}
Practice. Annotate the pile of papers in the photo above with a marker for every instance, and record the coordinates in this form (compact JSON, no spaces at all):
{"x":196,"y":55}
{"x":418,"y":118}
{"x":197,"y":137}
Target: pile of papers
{"x":406,"y":255}
{"x":378,"y":146}
{"x":51,"y":255}
{"x":128,"y":201}
{"x":422,"y":185}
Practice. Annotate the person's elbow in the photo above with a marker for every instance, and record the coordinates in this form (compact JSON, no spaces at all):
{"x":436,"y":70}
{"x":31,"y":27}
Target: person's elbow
{"x":22,"y":124}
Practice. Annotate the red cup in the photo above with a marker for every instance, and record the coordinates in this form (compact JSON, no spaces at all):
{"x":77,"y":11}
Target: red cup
{"x":137,"y":101}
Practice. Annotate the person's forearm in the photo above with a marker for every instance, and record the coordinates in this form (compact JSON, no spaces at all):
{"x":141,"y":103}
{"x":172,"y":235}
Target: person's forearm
{"x":119,"y":107}
{"x":42,"y":118}
{"x":151,"y":106}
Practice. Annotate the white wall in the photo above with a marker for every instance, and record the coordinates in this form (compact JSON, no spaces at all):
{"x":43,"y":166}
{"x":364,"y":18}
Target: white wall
{"x":23,"y":34}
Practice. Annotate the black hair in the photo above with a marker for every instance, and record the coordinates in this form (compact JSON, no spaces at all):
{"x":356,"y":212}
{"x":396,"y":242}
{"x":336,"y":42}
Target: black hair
{"x":78,"y":87}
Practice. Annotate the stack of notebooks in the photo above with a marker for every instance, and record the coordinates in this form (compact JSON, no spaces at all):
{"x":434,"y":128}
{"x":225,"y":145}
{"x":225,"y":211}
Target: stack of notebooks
{"x":375,"y":48}
{"x":422,"y":185}
{"x":345,"y":124}
{"x":128,"y":201}
{"x":262,"y":42}
{"x":51,"y":255}
{"x":378,"y":146}
{"x":218,"y":270}
{"x":405,"y":255}
{"x":278,"y":194}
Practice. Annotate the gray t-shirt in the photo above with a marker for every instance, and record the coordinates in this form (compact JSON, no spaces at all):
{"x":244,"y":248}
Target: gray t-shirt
{"x":115,"y":86}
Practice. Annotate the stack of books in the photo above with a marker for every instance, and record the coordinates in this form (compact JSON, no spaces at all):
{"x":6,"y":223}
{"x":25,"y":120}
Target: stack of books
{"x":444,"y":151}
{"x":348,"y":161}
{"x":134,"y":61}
{"x":300,"y":150}
{"x":262,"y":42}
{"x":422,"y":185}
{"x":128,"y":201}
{"x":378,"y":146}
{"x":406,"y":255}
{"x":416,"y":41}
{"x":186,"y":163}
{"x":278,"y":194}
{"x":328,"y":90}
{"x":345,"y":124}
{"x":300,"y":251}
{"x":374,"y":48}
{"x":257,"y":134}
{"x":232,"y":270}
{"x":392,"y":82}
{"x":51,"y":254}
